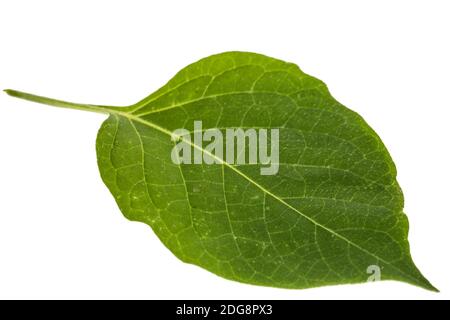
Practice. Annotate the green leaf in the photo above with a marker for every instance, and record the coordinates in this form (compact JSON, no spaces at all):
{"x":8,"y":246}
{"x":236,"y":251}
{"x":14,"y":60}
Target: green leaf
{"x":332,"y":214}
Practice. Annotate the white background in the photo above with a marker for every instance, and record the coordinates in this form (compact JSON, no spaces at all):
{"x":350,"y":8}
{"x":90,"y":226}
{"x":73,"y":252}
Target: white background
{"x":61,"y":233}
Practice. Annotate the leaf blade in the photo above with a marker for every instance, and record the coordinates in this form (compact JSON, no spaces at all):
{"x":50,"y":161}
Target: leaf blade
{"x":334,"y":209}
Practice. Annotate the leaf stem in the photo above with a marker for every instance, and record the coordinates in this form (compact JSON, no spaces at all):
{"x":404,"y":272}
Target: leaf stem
{"x":63,"y":104}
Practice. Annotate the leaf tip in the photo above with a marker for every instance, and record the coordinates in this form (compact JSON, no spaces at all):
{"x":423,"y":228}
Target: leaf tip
{"x":424,"y":283}
{"x":432,"y":288}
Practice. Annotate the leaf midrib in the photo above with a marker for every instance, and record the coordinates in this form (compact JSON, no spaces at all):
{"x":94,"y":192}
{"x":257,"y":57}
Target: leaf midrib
{"x":262,"y":188}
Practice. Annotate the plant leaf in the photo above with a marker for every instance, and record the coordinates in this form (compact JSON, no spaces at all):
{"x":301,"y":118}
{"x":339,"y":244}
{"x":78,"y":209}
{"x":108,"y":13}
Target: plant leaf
{"x":332,"y":213}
